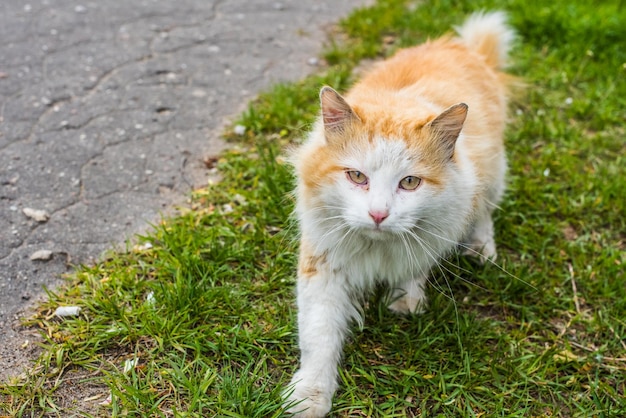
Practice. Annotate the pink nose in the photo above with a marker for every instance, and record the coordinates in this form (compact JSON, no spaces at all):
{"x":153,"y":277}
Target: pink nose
{"x":379,"y":215}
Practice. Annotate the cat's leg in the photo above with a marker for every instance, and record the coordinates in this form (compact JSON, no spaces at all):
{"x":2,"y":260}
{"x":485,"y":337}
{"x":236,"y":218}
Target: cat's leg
{"x":409,"y":297}
{"x":324,"y":312}
{"x":480,"y":242}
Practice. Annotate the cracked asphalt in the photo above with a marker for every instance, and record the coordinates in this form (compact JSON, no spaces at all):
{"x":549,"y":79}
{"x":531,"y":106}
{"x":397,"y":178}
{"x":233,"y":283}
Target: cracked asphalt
{"x":107,"y":111}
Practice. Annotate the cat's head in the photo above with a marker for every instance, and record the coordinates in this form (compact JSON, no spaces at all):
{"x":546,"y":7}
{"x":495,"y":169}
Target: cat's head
{"x":375,"y":169}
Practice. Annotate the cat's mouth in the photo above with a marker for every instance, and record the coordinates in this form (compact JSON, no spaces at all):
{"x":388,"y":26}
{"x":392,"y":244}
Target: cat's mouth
{"x":376,"y":232}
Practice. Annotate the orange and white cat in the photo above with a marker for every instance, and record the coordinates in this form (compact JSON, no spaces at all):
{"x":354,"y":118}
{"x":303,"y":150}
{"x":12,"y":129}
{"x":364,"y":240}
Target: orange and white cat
{"x":397,"y":173}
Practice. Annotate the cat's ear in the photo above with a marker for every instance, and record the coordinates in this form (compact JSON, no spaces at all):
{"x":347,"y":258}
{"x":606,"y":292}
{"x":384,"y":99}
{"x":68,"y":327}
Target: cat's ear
{"x":336,"y":112}
{"x":446,"y":127}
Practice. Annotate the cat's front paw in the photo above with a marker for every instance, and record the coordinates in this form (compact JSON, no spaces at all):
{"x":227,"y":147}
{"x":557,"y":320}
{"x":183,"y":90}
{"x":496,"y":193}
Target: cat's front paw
{"x":482,"y":250}
{"x":409,"y":298}
{"x":309,"y":408}
{"x":480,"y":243}
{"x":308,"y":400}
{"x":406,"y":305}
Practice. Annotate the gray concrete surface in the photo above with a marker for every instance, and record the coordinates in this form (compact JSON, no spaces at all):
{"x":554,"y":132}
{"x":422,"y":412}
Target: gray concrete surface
{"x":107,"y":110}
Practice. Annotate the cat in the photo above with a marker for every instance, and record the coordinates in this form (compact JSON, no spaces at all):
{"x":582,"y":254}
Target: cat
{"x":394,"y":175}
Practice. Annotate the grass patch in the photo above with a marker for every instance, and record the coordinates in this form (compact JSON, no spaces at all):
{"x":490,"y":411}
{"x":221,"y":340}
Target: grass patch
{"x":197,"y":319}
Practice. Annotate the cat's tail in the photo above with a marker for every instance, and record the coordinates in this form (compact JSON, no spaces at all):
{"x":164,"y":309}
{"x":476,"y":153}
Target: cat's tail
{"x":488,"y":34}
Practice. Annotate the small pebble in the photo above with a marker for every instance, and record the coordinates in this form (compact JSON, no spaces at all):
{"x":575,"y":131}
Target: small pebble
{"x":36,"y":214}
{"x":43,"y":255}
{"x":239,"y":130}
{"x":198,"y":93}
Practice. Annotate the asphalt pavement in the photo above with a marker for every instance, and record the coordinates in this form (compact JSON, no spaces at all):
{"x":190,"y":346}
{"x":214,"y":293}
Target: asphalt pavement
{"x":107,"y":111}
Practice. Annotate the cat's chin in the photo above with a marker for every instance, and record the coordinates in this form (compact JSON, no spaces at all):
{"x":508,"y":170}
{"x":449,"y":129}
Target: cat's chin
{"x":375,"y":234}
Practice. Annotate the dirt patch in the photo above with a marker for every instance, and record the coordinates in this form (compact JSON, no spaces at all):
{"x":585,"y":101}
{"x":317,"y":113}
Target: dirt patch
{"x":20,"y":350}
{"x":570,"y":233}
{"x":81,"y":392}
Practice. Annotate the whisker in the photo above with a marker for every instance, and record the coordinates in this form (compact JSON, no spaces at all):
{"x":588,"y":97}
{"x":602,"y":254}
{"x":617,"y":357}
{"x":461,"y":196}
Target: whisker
{"x":478,"y":254}
{"x":428,"y":250}
{"x":430,"y":253}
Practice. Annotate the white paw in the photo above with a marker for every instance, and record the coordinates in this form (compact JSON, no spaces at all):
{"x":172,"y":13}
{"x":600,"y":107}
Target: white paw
{"x":308,"y":401}
{"x":405,"y":305}
{"x":482,"y":250}
{"x":480,"y":243}
{"x":409,"y":298}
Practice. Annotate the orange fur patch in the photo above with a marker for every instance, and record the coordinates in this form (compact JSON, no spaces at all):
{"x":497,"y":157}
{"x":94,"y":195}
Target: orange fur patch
{"x":430,"y":78}
{"x":309,"y":264}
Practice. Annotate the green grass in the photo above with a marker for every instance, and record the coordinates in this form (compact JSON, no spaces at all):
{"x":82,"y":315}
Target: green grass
{"x":203,"y":317}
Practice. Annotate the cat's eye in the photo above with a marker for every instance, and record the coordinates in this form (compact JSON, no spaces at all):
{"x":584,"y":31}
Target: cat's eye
{"x":410,"y":183}
{"x":357,"y":177}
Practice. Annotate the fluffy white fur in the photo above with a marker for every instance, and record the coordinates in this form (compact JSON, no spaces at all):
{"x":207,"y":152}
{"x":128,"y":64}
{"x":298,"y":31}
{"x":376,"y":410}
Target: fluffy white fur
{"x":480,"y":27}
